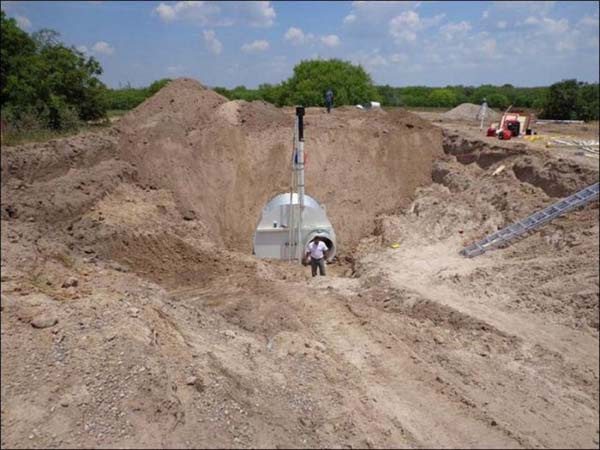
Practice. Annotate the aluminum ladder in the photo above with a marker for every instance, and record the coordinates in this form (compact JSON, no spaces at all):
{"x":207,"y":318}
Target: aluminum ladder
{"x":532,"y":222}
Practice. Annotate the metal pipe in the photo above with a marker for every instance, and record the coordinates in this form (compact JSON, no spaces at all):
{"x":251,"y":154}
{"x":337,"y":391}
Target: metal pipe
{"x":291,"y":224}
{"x":300,"y":156}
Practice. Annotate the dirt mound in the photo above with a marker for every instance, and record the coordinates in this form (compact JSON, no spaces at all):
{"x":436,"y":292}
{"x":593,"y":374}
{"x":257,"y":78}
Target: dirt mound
{"x":183,"y":101}
{"x":224,"y":160}
{"x":127,"y":322}
{"x":469,"y":111}
{"x":255,"y":115}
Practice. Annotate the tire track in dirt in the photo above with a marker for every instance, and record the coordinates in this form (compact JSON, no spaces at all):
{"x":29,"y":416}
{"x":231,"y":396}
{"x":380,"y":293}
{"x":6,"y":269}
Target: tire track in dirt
{"x":552,"y":363}
{"x":404,"y":390}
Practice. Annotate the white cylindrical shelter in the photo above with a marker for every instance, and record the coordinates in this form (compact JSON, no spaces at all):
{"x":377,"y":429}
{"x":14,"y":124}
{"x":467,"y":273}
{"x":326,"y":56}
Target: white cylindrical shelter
{"x":272,"y":236}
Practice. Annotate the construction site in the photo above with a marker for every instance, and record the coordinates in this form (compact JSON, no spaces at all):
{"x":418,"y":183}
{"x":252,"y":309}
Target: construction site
{"x":153,"y":295}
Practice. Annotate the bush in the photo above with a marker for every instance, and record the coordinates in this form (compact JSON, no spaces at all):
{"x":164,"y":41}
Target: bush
{"x":572,"y":100}
{"x":157,"y":86}
{"x":18,"y":120}
{"x":498,"y":101}
{"x":441,"y":97}
{"x":128,"y":98}
{"x":311,"y":79}
{"x":589,"y":102}
{"x":42,"y":77}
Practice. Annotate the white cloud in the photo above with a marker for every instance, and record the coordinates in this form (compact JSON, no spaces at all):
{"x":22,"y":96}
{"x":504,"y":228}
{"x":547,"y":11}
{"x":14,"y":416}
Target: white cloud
{"x":404,"y":27}
{"x":103,"y":48}
{"x":564,"y":46}
{"x":523,"y":7}
{"x":256,"y":46}
{"x":405,"y":36}
{"x":398,"y":58}
{"x":555,"y":26}
{"x":450,"y":30}
{"x":371,"y":61}
{"x":531,"y":21}
{"x":83,"y":49}
{"x":258,"y":14}
{"x":376,"y":13}
{"x":330,"y":40}
{"x":176,"y":69}
{"x":590,"y":21}
{"x":427,"y":22}
{"x":350,"y":18}
{"x":166,"y":12}
{"x":295,"y":36}
{"x":485,"y":14}
{"x":488,"y":48}
{"x":211,"y":42}
{"x":502,"y":24}
{"x":377,"y":61}
{"x":546,"y":25}
{"x":23,"y":22}
{"x":408,"y":19}
{"x":219,"y":14}
{"x":200,"y":11}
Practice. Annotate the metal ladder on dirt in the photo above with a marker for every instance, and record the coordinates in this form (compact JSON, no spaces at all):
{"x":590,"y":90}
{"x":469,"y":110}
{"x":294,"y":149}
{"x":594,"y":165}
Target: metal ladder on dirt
{"x":533,"y":221}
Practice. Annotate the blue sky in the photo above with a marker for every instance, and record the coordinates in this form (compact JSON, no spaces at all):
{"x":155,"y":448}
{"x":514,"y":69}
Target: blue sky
{"x":399,"y":43}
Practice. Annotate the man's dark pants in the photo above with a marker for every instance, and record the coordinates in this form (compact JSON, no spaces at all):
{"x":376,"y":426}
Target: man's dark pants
{"x":320,"y":263}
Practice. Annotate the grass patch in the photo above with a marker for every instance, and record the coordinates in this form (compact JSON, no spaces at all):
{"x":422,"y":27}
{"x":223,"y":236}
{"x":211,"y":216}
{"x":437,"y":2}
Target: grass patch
{"x":437,"y":109}
{"x":116,"y":112}
{"x":44,"y":135}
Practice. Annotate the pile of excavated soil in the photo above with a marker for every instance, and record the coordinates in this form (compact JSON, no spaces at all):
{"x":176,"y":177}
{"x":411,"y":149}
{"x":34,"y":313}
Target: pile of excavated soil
{"x":224,"y":160}
{"x":470,"y":111}
{"x":126,"y":322}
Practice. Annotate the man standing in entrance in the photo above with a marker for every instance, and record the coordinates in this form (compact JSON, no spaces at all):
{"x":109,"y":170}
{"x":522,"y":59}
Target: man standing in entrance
{"x":329,"y":99}
{"x":317,"y":249}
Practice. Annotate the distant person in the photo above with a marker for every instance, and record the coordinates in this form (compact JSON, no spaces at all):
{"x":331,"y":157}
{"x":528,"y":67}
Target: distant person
{"x":317,"y":249}
{"x":329,"y":99}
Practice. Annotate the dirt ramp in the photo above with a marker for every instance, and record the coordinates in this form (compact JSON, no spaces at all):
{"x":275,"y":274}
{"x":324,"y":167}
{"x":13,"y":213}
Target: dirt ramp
{"x":224,"y":160}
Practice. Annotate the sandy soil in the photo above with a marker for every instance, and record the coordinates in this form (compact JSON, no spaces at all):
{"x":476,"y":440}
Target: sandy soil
{"x":134,"y":315}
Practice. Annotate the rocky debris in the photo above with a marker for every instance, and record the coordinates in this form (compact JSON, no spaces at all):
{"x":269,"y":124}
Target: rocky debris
{"x":45,"y":319}
{"x":189,"y":214}
{"x":70,"y":282}
{"x":469,"y":111}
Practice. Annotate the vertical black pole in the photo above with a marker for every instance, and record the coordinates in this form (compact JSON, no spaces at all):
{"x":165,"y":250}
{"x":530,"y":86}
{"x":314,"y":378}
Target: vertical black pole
{"x":300,"y":114}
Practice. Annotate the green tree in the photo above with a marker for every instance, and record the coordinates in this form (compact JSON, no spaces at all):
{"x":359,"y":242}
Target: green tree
{"x":442,"y":97}
{"x":390,"y":96}
{"x":350,"y":84}
{"x":42,"y":78}
{"x":588,"y":104}
{"x":498,"y":101}
{"x":157,"y":86}
{"x":16,"y":52}
{"x":562,"y":99}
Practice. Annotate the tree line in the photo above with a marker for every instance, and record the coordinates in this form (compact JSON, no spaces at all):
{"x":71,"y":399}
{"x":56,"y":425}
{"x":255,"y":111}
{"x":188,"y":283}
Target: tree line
{"x":567,"y":99}
{"x":46,"y":84}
